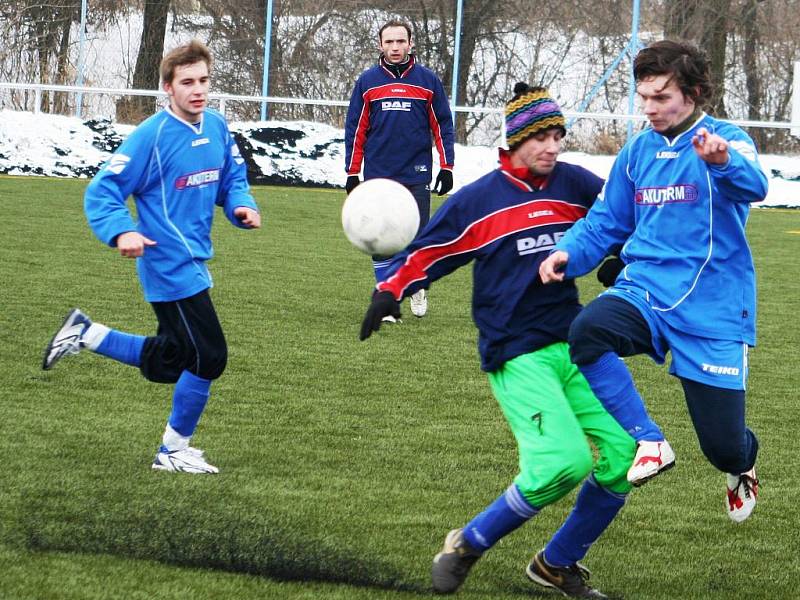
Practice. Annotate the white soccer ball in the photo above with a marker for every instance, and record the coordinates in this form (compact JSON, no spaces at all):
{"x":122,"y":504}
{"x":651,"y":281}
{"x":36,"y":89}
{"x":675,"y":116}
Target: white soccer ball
{"x":380,"y":217}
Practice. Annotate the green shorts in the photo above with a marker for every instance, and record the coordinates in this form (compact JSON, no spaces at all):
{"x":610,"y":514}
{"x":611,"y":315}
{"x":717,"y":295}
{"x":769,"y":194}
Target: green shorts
{"x":552,"y":411}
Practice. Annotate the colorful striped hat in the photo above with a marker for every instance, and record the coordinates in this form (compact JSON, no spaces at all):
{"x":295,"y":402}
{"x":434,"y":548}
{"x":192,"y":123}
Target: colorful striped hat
{"x":531,"y":110}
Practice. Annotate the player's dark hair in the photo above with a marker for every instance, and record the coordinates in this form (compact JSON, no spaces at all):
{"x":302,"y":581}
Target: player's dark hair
{"x":394,"y":23}
{"x":683,"y":61}
{"x":188,"y":54}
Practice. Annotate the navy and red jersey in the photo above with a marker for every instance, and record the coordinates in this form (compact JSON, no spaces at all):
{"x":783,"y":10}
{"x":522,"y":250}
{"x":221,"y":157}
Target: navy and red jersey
{"x":507,"y":227}
{"x":390,"y":122}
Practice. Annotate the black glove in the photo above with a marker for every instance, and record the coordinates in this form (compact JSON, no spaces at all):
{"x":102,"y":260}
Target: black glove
{"x":352,"y":183}
{"x":609,"y":270}
{"x":383,"y":304}
{"x":444,"y":182}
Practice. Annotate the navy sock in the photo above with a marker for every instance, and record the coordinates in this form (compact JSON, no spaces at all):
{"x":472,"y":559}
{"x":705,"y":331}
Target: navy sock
{"x":594,"y":510}
{"x":613,"y":385}
{"x":188,"y":401}
{"x":124,"y":347}
{"x":500,"y":518}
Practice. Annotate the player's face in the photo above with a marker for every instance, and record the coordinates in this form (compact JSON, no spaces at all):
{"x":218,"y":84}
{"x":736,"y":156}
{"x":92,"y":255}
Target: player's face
{"x":664,"y":104}
{"x":539,"y":152}
{"x":395,"y":44}
{"x":188,"y":91}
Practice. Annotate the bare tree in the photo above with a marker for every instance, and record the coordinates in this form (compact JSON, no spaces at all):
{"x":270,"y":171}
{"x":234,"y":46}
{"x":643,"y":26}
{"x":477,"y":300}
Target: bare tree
{"x":706,"y":23}
{"x":134,"y":109}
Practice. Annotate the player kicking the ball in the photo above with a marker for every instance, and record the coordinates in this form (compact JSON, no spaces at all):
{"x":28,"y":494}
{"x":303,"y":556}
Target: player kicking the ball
{"x":677,"y":197}
{"x":506,"y":222}
{"x":178,"y":165}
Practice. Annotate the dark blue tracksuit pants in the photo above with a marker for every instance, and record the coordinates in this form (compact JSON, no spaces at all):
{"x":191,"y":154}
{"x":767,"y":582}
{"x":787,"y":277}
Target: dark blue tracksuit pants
{"x":610,"y":324}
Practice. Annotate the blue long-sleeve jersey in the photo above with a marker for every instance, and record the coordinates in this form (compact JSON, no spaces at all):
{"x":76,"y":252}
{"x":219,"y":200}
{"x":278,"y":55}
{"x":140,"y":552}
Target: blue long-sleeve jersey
{"x":507,"y":227}
{"x":682,"y":222}
{"x":390,"y":122}
{"x":176,"y":172}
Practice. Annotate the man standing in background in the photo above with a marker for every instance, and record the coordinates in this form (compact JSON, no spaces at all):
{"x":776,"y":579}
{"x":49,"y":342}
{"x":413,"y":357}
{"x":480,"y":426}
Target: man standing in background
{"x":395,"y":108}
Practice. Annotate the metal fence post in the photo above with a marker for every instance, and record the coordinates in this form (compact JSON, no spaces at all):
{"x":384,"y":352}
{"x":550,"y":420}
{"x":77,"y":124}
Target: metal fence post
{"x":267,"y":44}
{"x":795,"y":130}
{"x":456,"y":55}
{"x":633,"y":48}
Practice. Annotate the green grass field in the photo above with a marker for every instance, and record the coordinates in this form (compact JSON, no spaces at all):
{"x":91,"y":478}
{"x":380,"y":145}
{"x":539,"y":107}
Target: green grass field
{"x":343,"y":463}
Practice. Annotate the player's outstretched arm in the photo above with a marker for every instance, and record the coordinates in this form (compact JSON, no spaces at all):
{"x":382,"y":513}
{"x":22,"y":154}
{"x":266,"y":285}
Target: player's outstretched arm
{"x":383,"y":305}
{"x":552,"y":267}
{"x":248,"y":217}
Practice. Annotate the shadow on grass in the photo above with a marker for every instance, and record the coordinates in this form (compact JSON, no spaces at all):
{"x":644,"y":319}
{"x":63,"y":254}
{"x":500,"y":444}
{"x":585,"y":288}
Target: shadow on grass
{"x":194,"y":534}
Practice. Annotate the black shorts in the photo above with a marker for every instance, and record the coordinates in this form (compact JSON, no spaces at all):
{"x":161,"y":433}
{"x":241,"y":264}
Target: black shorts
{"x":189,"y":338}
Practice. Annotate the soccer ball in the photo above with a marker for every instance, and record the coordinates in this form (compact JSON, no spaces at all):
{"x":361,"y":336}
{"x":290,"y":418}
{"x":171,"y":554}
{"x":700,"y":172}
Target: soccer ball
{"x":380,"y":217}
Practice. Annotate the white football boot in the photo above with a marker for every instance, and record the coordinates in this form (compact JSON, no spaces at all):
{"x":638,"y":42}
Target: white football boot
{"x":651,"y":459}
{"x":419,"y":303}
{"x":68,"y":339}
{"x":391,"y":319}
{"x":188,"y":460}
{"x":742,"y":494}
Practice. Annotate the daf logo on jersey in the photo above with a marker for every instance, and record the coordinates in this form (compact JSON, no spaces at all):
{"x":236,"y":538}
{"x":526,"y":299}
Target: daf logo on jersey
{"x":667,"y":154}
{"x":658,"y":196}
{"x":197,"y":179}
{"x":717,"y":370}
{"x":541,"y":243}
{"x":117,"y":163}
{"x":403,"y":105}
{"x":200,"y":142}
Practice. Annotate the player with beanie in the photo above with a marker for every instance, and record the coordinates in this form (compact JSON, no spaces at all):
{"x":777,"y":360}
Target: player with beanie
{"x":506,"y":222}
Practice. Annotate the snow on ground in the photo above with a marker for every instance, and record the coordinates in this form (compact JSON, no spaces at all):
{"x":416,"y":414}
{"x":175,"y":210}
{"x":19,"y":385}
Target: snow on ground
{"x":284,"y":153}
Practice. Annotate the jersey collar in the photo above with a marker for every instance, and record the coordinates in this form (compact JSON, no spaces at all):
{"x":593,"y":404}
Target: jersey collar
{"x":397,"y":71}
{"x":520,"y":176}
{"x":195,"y":127}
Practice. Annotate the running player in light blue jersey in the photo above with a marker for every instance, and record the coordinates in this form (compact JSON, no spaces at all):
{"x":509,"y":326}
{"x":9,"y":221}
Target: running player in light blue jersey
{"x":678,"y":198}
{"x":178,"y":165}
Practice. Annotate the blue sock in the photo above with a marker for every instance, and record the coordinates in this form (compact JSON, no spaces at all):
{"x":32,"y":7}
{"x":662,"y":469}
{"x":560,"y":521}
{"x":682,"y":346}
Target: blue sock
{"x":124,"y":347}
{"x":381,"y":267}
{"x":188,"y":402}
{"x":613,"y":385}
{"x":594,"y":510}
{"x":500,"y":518}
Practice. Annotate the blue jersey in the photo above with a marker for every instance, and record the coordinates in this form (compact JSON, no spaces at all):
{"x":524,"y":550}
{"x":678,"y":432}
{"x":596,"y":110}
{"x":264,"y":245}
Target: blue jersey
{"x":682,"y":222}
{"x":176,"y":172}
{"x":390,"y":122}
{"x":507,"y":227}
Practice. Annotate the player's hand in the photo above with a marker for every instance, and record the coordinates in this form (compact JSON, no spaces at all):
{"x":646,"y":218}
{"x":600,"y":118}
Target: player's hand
{"x":131,"y":244}
{"x":552,"y":267}
{"x":352,"y":183}
{"x":249,"y":217}
{"x":710,"y":147}
{"x":383,"y":304}
{"x":609,"y":271}
{"x":444,"y":182}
